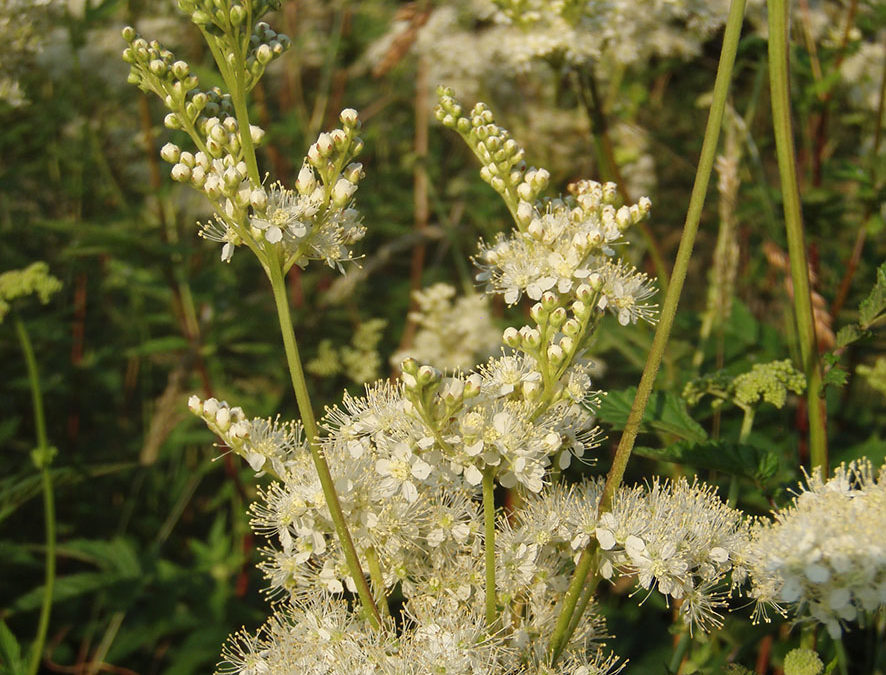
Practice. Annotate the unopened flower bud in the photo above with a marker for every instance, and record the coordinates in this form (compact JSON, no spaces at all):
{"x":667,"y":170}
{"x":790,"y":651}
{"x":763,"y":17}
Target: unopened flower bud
{"x":180,"y":69}
{"x":342,"y":191}
{"x":473,"y":384}
{"x":256,"y":134}
{"x":538,"y":313}
{"x":524,"y":191}
{"x":306,"y":182}
{"x":258,"y":198}
{"x":580,"y":310}
{"x":198,"y":177}
{"x":170,"y":152}
{"x":531,"y":390}
{"x":195,"y":405}
{"x":409,"y":365}
{"x":567,"y":344}
{"x":264,"y":55}
{"x":427,"y":375}
{"x":541,"y":178}
{"x":129,"y":33}
{"x":595,"y":281}
{"x":223,"y":418}
{"x":231,"y":178}
{"x":181,"y":173}
{"x":210,"y":407}
{"x":237,"y":15}
{"x":558,"y":316}
{"x":572,"y":327}
{"x":171,"y":121}
{"x":511,"y":337}
{"x":531,"y":337}
{"x":610,"y":192}
{"x":548,"y":300}
{"x":349,"y":117}
{"x":524,"y":212}
{"x":353,"y":172}
{"x":623,"y":218}
{"x":555,"y":354}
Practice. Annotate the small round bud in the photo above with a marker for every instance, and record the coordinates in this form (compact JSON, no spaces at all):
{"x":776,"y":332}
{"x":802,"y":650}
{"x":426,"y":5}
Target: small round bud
{"x":409,"y":365}
{"x":223,"y":418}
{"x":198,"y":176}
{"x":214,"y":148}
{"x":171,"y":121}
{"x":524,"y":212}
{"x":473,"y":384}
{"x":264,"y":55}
{"x":572,"y":327}
{"x":314,"y":155}
{"x":595,"y":281}
{"x":231,"y":178}
{"x":181,"y":173}
{"x":170,"y":153}
{"x":129,"y":33}
{"x":157,"y":67}
{"x":353,"y":172}
{"x":558,"y":316}
{"x":584,"y":292}
{"x":306,"y":182}
{"x":623,"y":218}
{"x":342,"y":191}
{"x":257,"y":134}
{"x":567,"y":344}
{"x":538,"y":313}
{"x":349,"y":118}
{"x":555,"y":354}
{"x":531,"y":337}
{"x":548,"y":300}
{"x":524,"y":191}
{"x":511,"y":337}
{"x":237,"y":15}
{"x":195,"y":405}
{"x":210,"y":407}
{"x":428,"y":375}
{"x":258,"y":199}
{"x":180,"y":69}
{"x":580,"y":310}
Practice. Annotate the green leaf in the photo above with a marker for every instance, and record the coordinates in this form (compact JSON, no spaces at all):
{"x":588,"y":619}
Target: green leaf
{"x":11,"y":661}
{"x":732,"y":458}
{"x":847,"y":335}
{"x":835,"y":376}
{"x":875,"y":304}
{"x":666,"y":412}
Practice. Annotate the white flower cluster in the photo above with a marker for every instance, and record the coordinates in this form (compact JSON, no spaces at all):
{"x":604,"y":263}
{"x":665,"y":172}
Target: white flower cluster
{"x":825,"y":554}
{"x":677,"y":537}
{"x":452,"y":332}
{"x":259,"y":441}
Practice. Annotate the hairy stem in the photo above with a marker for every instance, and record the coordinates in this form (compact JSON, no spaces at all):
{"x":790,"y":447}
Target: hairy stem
{"x":299,"y":385}
{"x":787,"y":170}
{"x":42,"y":458}
{"x":684,"y":252}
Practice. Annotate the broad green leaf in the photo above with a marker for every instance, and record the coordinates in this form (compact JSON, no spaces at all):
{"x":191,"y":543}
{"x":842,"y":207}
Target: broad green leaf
{"x":732,"y":458}
{"x":666,"y":412}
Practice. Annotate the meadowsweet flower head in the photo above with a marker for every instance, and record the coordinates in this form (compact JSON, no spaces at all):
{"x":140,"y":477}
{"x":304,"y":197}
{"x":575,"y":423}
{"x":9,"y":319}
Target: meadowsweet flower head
{"x":677,"y":537}
{"x":825,"y":554}
{"x":34,"y":279}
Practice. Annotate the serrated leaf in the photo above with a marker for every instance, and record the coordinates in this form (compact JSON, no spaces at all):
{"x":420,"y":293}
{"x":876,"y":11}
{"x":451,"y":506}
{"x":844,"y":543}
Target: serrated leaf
{"x":875,"y":304}
{"x":732,"y":458}
{"x":665,"y":412}
{"x":835,"y":376}
{"x":11,"y":661}
{"x":847,"y":335}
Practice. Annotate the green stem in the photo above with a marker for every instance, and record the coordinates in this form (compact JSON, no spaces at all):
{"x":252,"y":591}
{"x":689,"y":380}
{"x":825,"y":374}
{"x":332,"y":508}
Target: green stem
{"x":684,"y":252}
{"x":787,"y":170}
{"x":489,"y":544}
{"x":378,"y":580}
{"x":560,"y":637}
{"x":43,"y":458}
{"x":299,"y":385}
{"x":679,"y":652}
{"x":842,"y":658}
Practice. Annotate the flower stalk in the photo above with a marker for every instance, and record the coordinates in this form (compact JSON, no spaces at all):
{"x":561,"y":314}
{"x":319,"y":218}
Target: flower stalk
{"x":300,"y":387}
{"x":787,"y":171}
{"x":42,"y":457}
{"x":684,"y":252}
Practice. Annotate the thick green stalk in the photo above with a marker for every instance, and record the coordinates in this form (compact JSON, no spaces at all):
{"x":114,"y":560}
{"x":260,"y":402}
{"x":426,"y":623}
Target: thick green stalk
{"x":585,"y":567}
{"x":787,"y":171}
{"x":489,"y":544}
{"x":42,"y":458}
{"x":299,"y":385}
{"x":684,"y":252}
